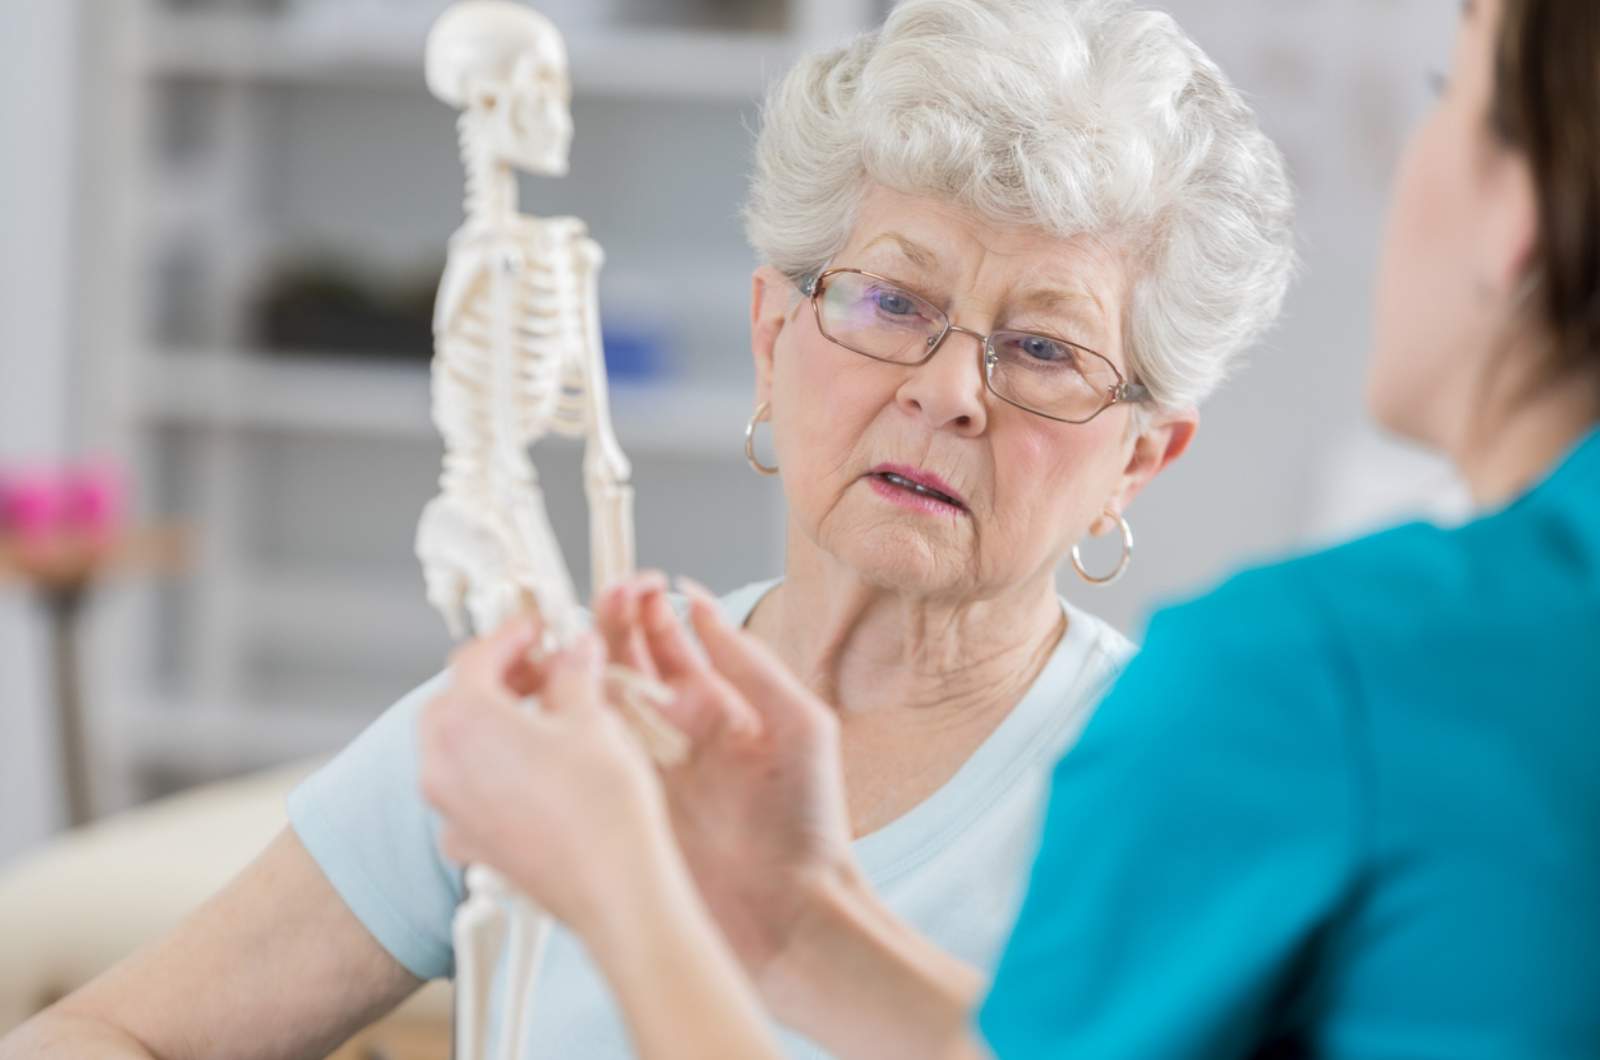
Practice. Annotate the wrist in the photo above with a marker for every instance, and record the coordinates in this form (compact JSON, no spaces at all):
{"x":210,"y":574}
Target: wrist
{"x":681,"y":991}
{"x":861,"y":982}
{"x":837,"y":914}
{"x":630,"y":912}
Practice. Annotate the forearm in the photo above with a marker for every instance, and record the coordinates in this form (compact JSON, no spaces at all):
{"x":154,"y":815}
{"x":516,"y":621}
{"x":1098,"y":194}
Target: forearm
{"x":863,"y":983}
{"x":56,"y":1034}
{"x":682,"y":992}
{"x":310,"y":975}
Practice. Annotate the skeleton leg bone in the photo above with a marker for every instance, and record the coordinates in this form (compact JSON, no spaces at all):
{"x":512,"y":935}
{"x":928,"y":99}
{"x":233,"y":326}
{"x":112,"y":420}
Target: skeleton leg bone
{"x":479,"y":933}
{"x":529,"y":933}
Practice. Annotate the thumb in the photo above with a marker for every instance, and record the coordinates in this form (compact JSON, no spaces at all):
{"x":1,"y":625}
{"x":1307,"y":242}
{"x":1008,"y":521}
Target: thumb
{"x":489,"y":663}
{"x":759,"y":676}
{"x":574,"y":678}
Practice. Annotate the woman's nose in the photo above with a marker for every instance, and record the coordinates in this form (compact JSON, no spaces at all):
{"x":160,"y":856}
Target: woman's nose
{"x":947,"y":391}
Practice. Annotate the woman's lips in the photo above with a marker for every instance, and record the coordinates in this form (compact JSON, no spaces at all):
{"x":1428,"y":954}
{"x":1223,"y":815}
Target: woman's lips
{"x":915,"y":489}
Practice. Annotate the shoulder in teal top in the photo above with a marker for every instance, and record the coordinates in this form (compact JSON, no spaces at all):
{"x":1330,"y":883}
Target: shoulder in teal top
{"x":1347,"y":806}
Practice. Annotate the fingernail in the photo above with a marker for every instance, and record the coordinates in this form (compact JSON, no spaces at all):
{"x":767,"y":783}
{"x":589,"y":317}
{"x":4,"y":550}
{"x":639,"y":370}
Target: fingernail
{"x":582,"y":652}
{"x":657,"y":611}
{"x":694,"y":590}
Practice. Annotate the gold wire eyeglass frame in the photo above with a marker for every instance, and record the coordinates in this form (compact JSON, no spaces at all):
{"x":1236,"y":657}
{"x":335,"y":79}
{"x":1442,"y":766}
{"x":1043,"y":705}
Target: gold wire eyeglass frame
{"x":1119,"y":393}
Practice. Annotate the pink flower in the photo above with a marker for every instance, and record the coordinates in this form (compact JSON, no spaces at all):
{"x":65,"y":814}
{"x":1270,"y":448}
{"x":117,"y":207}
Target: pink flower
{"x":80,"y":501}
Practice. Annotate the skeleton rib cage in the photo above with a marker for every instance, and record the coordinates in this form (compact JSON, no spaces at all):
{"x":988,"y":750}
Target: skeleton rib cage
{"x":510,"y":367}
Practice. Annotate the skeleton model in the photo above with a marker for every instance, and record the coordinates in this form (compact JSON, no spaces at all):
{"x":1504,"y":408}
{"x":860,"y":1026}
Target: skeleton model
{"x":518,"y":355}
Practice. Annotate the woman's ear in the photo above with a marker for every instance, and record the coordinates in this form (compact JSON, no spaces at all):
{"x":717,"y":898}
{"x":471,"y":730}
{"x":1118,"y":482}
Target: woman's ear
{"x":771,"y":294}
{"x":1163,"y":440}
{"x":1510,"y":228}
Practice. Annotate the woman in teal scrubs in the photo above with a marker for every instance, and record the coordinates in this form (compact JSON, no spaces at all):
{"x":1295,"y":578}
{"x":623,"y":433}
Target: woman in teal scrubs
{"x":1347,"y":806}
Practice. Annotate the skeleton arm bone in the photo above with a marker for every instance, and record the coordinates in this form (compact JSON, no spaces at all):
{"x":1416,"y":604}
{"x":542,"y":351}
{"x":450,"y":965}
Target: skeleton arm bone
{"x":605,"y":469}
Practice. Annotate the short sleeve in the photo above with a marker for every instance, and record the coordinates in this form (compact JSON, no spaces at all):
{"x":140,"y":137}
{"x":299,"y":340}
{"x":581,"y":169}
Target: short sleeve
{"x":1198,"y":838}
{"x":364,"y":821}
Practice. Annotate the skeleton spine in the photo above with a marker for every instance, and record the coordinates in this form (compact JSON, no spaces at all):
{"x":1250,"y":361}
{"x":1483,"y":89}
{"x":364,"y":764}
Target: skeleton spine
{"x":491,"y":188}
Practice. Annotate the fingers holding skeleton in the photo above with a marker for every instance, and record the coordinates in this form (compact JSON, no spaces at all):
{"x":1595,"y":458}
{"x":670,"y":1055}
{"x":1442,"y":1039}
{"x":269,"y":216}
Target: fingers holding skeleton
{"x":616,"y":616}
{"x":506,"y":663}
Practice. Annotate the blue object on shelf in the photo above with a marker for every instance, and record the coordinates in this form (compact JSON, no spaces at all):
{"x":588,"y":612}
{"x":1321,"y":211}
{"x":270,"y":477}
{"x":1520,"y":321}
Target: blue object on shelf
{"x":633,"y":352}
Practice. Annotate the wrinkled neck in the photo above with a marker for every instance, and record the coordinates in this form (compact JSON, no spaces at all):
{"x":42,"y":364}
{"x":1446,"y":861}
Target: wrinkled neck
{"x":866,"y":649}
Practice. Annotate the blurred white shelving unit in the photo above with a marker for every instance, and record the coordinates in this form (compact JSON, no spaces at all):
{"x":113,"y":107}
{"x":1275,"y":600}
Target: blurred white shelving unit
{"x":244,"y":134}
{"x":334,"y":397}
{"x":624,"y":61}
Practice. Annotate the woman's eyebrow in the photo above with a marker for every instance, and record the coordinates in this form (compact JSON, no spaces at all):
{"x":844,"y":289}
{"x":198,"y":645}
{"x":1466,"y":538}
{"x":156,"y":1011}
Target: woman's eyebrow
{"x":917,"y":254}
{"x":1056,"y":300}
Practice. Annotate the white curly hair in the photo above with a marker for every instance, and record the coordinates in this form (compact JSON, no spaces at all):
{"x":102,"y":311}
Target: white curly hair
{"x":1076,"y":116}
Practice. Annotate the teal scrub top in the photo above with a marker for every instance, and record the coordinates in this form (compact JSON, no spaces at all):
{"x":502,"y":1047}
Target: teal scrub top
{"x":1346,"y":806}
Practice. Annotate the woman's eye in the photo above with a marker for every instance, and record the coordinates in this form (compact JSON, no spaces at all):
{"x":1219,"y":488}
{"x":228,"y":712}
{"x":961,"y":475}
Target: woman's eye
{"x":895,"y":303}
{"x":1040,"y":348}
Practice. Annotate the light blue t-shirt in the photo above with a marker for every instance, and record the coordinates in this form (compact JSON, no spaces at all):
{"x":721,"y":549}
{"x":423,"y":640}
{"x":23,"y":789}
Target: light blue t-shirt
{"x":1343,"y":807}
{"x":954,"y":866}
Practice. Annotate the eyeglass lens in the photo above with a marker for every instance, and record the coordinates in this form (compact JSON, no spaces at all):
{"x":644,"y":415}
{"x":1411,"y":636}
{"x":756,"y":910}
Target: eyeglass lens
{"x":1038,"y":372}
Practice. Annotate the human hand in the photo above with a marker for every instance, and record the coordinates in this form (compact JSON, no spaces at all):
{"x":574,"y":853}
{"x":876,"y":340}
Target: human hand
{"x":759,"y":808}
{"x":560,"y":798}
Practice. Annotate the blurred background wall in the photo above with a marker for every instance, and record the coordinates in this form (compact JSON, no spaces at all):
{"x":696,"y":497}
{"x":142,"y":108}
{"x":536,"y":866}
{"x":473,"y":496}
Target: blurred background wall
{"x":220,"y":224}
{"x":39,"y":131}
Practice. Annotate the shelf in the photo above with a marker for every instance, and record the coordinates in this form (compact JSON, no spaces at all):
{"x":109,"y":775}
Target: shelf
{"x":230,"y":738}
{"x":614,"y":62}
{"x":313,"y":395}
{"x":351,"y":614}
{"x":299,"y":395}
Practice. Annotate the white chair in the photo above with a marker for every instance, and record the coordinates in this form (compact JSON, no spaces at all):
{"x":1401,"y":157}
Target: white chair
{"x":90,"y":897}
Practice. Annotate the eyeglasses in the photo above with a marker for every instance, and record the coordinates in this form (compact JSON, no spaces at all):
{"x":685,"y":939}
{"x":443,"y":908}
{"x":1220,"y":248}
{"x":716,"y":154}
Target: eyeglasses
{"x":1047,"y":376}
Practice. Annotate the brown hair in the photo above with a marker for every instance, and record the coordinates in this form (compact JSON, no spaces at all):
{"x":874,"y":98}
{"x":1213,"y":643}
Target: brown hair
{"x":1546,"y":103}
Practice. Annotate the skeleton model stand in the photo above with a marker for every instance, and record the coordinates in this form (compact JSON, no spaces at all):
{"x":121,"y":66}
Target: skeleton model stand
{"x":518,"y":355}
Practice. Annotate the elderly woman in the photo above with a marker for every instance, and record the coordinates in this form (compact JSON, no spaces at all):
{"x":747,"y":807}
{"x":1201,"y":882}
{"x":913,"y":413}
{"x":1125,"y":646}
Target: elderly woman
{"x":1344,"y":806}
{"x":1009,"y":246}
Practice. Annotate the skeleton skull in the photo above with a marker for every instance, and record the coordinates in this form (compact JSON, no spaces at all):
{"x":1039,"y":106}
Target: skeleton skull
{"x":507,"y":63}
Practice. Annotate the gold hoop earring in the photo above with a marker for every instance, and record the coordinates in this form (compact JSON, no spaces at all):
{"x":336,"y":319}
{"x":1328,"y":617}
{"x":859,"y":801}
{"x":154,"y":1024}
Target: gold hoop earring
{"x":762,"y":413}
{"x":1122,"y":565}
